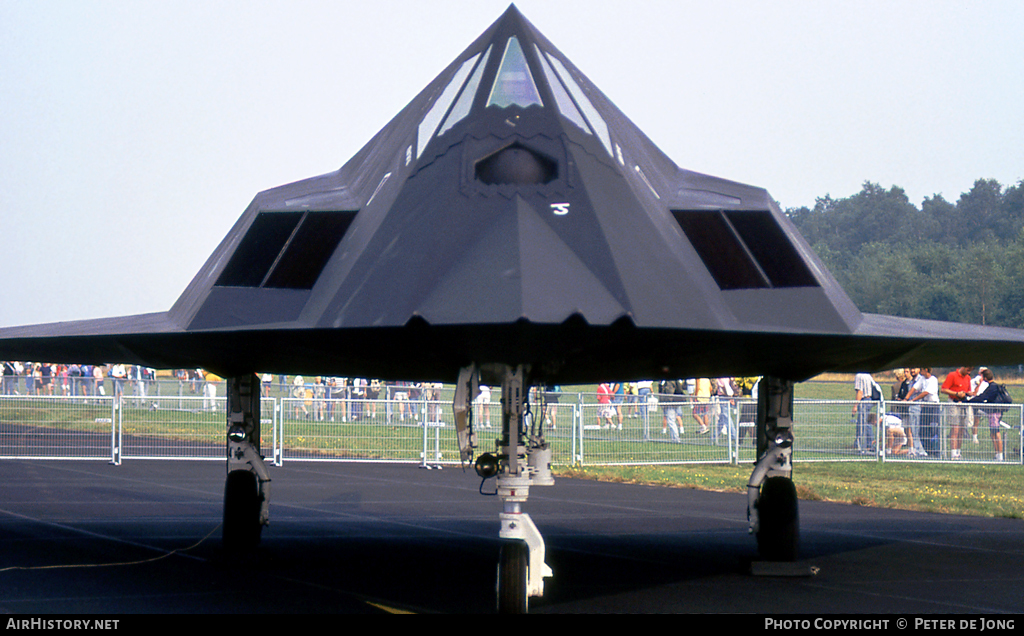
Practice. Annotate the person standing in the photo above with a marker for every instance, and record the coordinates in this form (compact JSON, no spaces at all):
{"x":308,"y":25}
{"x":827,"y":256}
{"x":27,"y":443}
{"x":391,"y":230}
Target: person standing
{"x":725,"y":394}
{"x":978,"y":385}
{"x":957,"y":387}
{"x":552,"y":395}
{"x":930,"y":411}
{"x":373,"y":395}
{"x":97,"y":376}
{"x":210,"y":381}
{"x":10,"y":378}
{"x":670,"y":396}
{"x":914,"y":396}
{"x":865,"y":391}
{"x":618,"y":395}
{"x":900,"y":388}
{"x":702,"y":407}
{"x":604,"y":404}
{"x":995,"y":395}
{"x":483,"y":401}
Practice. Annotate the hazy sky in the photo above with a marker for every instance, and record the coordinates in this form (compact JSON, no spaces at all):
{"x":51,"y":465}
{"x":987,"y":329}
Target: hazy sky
{"x":133,"y":134}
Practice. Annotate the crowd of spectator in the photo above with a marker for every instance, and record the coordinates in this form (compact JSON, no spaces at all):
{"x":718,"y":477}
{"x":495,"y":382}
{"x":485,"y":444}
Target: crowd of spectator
{"x":913,"y":419}
{"x":709,"y":402}
{"x":911,"y":423}
{"x":47,"y":379}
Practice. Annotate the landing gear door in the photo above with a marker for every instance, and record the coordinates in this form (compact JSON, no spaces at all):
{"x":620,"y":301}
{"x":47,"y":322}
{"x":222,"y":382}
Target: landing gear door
{"x":466,"y":390}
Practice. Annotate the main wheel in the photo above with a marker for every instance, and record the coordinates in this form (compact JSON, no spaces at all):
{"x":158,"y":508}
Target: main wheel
{"x":779,"y":535}
{"x":513,"y":563}
{"x":242,"y":526}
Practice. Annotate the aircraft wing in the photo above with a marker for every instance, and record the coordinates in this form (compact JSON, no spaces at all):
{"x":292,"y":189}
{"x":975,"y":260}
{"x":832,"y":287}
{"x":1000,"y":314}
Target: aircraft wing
{"x":568,"y":353}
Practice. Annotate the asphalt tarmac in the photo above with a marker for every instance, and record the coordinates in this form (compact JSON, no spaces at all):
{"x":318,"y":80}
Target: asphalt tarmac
{"x":80,"y":537}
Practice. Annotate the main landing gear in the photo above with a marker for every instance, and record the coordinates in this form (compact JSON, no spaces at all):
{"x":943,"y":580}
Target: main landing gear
{"x":522,"y":459}
{"x":247,"y":490}
{"x":771,"y":495}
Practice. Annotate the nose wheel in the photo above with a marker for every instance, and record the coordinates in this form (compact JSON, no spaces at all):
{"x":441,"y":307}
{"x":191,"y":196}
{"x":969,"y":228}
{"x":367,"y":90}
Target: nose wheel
{"x":242,"y":527}
{"x":513,"y":574}
{"x":772,"y":501}
{"x":779,"y":534}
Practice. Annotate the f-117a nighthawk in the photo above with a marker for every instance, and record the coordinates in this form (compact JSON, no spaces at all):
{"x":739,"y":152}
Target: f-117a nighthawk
{"x":511,"y":225}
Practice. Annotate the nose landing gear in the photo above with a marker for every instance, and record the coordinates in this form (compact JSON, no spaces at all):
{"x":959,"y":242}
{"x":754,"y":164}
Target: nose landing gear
{"x":771,"y":496}
{"x":247,"y":490}
{"x":522,"y":459}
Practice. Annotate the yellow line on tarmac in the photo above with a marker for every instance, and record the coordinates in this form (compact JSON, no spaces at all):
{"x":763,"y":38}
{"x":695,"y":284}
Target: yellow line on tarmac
{"x":389,"y":610}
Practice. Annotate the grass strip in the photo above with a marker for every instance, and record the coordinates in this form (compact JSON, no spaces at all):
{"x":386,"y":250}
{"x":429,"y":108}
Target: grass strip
{"x":966,"y":489}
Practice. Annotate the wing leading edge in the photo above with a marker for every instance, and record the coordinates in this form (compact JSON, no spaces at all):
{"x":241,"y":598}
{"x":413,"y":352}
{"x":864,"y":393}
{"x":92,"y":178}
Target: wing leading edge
{"x":567,"y":353}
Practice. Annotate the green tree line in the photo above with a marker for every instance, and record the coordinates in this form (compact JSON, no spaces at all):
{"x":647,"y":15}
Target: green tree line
{"x":962,"y":262}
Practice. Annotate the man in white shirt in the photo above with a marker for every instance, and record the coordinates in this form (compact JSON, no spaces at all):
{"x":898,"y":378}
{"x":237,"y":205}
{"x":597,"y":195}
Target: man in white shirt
{"x":930,"y":411}
{"x":863,"y":386}
{"x":914,"y":396}
{"x":725,"y":397}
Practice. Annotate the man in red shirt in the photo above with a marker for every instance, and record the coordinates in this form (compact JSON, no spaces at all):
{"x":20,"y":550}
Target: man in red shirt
{"x":958,"y":388}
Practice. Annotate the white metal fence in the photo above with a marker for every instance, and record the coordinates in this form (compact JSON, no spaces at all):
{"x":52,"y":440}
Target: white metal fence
{"x":422,"y":430}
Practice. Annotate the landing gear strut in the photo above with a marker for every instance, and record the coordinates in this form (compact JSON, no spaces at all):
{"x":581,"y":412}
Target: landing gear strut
{"x":247,"y":490}
{"x":771,"y":495}
{"x":522,"y":459}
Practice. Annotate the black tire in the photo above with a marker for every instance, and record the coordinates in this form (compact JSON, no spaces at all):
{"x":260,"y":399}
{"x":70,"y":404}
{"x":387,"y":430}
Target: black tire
{"x":778,"y":538}
{"x":512,"y":575}
{"x":242,"y":526}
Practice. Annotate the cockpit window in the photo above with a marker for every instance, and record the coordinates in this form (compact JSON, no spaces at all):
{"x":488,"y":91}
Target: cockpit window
{"x":440,"y":107}
{"x":465,"y":102}
{"x":514,"y":83}
{"x":565,"y":105}
{"x":595,"y":119}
